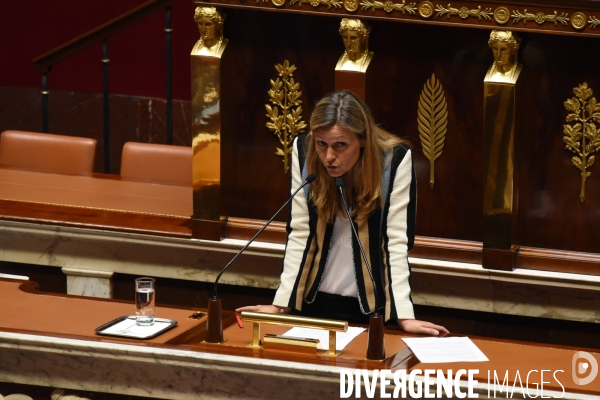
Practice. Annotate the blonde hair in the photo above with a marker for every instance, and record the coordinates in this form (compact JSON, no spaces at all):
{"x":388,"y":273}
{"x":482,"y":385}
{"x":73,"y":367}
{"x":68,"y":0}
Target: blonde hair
{"x":346,"y":110}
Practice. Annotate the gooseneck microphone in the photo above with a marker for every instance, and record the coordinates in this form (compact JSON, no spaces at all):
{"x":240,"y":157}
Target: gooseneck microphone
{"x":214,"y":322}
{"x":375,"y":346}
{"x":339,"y":183}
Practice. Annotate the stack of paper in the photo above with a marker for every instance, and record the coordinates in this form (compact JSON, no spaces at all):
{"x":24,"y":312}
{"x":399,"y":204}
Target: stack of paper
{"x":445,"y":349}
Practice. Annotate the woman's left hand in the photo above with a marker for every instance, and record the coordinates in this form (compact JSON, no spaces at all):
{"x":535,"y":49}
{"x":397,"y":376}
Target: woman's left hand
{"x":422,"y":327}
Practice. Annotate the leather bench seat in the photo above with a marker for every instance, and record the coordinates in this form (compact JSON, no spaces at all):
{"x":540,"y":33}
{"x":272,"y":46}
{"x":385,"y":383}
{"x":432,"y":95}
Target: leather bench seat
{"x":45,"y":152}
{"x":157,"y":163}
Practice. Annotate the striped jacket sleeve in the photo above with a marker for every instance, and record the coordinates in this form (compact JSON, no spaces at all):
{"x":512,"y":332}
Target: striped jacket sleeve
{"x":398,"y":223}
{"x":297,"y":237}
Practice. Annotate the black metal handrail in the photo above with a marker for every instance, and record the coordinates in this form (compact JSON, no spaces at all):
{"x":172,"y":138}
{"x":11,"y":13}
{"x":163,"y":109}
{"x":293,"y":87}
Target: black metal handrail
{"x":101,"y":34}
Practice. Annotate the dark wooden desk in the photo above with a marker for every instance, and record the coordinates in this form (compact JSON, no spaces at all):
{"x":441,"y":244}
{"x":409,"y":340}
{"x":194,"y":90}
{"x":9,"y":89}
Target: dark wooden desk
{"x":49,"y":340}
{"x":95,"y":192}
{"x":98,"y":201}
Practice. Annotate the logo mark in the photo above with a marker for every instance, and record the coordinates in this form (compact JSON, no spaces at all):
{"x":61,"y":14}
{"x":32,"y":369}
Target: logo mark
{"x":579,"y":367}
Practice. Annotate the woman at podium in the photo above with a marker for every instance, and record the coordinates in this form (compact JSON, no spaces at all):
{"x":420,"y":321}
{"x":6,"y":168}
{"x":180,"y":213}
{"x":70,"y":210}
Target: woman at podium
{"x":324,"y":274}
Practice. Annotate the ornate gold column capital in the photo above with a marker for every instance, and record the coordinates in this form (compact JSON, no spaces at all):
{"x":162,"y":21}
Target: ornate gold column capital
{"x":505,"y":47}
{"x":210,"y":22}
{"x":355,"y":35}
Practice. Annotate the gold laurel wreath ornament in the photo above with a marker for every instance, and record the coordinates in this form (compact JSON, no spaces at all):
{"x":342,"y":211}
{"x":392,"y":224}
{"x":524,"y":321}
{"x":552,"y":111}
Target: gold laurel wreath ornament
{"x":433,"y":122}
{"x":582,"y":138}
{"x":284,"y":95}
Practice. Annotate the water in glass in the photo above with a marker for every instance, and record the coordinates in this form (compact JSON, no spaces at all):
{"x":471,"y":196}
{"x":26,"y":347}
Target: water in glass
{"x":144,"y":302}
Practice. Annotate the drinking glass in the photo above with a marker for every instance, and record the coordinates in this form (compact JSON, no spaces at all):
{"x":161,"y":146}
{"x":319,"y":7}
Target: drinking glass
{"x":144,"y":301}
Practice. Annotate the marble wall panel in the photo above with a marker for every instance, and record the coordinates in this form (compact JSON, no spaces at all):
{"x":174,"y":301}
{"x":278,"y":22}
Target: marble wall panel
{"x":139,"y":255}
{"x":546,"y":302}
{"x":452,"y":292}
{"x":158,"y":373}
{"x":89,"y":283}
{"x":132,"y":118}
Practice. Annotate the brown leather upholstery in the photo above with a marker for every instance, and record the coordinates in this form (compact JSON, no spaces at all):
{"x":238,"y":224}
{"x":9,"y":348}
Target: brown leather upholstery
{"x":157,"y":163}
{"x":44,"y":152}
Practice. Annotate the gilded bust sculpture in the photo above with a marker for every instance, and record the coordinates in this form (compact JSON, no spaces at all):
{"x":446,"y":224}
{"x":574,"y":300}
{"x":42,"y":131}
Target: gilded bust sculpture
{"x":505,"y":47}
{"x":210,"y":25}
{"x":357,"y":56}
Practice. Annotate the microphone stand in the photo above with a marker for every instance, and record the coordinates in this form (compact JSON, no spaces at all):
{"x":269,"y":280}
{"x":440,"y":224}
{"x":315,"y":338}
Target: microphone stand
{"x":375,"y":341}
{"x":214,"y":320}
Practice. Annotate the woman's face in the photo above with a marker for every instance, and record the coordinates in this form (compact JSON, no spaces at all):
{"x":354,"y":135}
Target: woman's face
{"x":338,"y":149}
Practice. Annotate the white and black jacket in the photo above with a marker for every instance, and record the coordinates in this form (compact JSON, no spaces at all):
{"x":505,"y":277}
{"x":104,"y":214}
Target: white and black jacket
{"x":386,"y":235}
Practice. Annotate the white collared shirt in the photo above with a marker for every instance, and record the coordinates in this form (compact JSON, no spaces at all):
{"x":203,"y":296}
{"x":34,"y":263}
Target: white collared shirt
{"x":338,"y":277}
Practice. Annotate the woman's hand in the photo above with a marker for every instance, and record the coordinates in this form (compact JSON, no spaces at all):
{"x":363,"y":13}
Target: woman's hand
{"x":422,"y":327}
{"x":271,"y":309}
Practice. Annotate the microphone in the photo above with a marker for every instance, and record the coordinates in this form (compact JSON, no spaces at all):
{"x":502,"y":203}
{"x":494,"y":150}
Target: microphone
{"x":214,"y":322}
{"x":375,"y":346}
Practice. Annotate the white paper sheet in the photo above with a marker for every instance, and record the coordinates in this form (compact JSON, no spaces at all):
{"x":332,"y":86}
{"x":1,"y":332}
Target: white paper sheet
{"x":129,"y":328}
{"x":443,"y":350}
{"x":341,"y":338}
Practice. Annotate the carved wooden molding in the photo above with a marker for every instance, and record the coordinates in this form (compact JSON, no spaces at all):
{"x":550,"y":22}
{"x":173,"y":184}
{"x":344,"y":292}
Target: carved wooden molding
{"x":560,"y":17}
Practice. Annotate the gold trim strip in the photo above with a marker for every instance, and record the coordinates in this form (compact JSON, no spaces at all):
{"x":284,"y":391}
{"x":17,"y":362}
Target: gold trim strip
{"x":464,"y":12}
{"x":540,"y":18}
{"x":501,"y":15}
{"x":389,"y":6}
{"x":317,"y":3}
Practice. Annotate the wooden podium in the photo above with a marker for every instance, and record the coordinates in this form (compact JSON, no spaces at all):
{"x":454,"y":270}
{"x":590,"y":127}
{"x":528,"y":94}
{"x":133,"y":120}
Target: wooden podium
{"x":49,"y":340}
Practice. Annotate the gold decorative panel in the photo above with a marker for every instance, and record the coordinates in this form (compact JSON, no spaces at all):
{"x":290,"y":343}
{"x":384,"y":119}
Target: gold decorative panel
{"x":582,"y":137}
{"x":464,"y":12}
{"x":540,"y":18}
{"x":285,"y":96}
{"x":433,"y":121}
{"x":317,"y":3}
{"x":389,"y":6}
{"x":565,"y":19}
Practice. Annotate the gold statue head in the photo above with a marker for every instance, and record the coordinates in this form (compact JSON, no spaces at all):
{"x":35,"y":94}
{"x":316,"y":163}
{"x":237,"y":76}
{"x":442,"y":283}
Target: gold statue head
{"x":504,"y":45}
{"x":210,"y":24}
{"x":355,"y":35}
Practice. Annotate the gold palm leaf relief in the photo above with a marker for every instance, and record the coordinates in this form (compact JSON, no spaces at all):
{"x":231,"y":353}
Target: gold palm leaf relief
{"x":433,"y":122}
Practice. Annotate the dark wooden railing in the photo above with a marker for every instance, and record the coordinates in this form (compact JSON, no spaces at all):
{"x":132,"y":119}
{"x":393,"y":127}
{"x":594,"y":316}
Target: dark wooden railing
{"x":101,"y":34}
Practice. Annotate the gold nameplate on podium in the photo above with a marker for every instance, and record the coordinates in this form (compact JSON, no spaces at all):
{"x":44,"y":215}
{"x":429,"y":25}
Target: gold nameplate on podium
{"x":258,"y":318}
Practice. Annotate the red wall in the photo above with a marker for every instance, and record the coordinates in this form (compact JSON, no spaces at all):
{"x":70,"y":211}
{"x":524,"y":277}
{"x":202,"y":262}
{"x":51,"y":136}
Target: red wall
{"x":137,"y":54}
